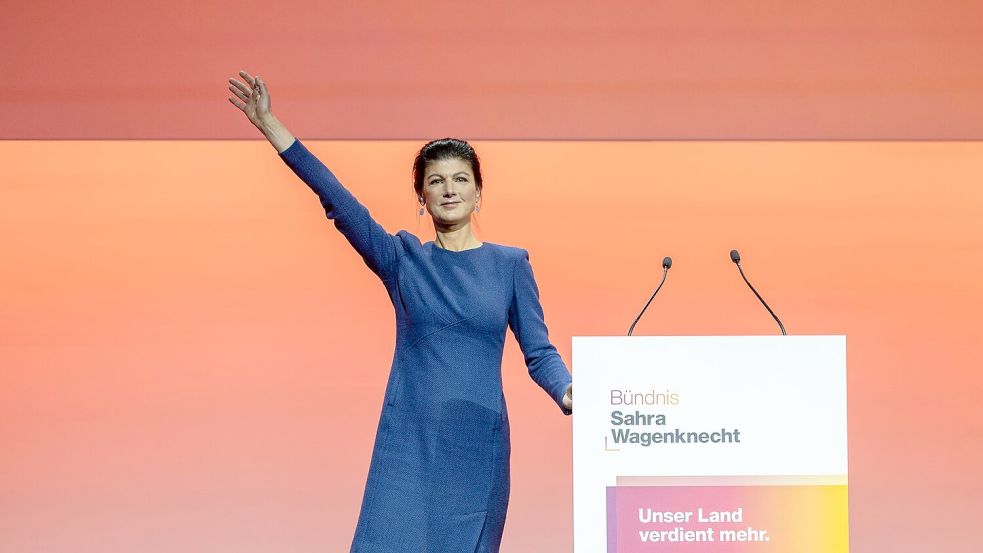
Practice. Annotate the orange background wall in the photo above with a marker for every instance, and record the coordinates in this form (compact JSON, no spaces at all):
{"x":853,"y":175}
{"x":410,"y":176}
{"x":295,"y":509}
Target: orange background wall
{"x":193,"y":359}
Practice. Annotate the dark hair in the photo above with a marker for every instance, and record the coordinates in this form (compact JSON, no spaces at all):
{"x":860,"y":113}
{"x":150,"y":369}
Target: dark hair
{"x":444,"y":148}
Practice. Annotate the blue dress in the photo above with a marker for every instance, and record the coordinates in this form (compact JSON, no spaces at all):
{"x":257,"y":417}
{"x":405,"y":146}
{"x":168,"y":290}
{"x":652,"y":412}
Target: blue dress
{"x":439,"y":476}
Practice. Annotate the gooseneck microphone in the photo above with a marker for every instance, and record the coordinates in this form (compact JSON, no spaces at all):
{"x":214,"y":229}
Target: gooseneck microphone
{"x":666,"y":263}
{"x":736,"y":258}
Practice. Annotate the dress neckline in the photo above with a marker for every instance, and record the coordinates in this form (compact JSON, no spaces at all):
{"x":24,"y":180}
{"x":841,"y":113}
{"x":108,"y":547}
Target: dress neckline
{"x":438,"y":248}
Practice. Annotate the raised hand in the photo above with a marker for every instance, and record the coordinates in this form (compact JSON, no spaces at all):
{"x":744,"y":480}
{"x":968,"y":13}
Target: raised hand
{"x":568,"y":398}
{"x":253,"y":100}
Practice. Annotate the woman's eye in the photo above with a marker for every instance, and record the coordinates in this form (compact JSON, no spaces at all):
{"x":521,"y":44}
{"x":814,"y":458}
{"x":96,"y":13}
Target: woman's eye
{"x":462,"y":179}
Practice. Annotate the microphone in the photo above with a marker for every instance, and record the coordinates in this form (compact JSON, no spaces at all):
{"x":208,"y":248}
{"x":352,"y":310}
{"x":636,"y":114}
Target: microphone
{"x":736,"y":258}
{"x":666,"y":264}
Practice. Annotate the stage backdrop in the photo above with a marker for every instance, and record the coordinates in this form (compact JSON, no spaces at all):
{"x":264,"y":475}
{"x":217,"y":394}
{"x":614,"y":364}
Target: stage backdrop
{"x":192,"y":358}
{"x":878,"y":69}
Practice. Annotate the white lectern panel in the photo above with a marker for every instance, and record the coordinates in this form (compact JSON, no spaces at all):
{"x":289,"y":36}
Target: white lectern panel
{"x":714,"y":443}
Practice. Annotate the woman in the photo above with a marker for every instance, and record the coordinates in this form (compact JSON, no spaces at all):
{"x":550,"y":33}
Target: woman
{"x":439,"y":476}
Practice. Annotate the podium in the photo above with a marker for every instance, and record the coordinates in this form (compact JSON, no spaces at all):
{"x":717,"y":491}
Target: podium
{"x":710,"y":443}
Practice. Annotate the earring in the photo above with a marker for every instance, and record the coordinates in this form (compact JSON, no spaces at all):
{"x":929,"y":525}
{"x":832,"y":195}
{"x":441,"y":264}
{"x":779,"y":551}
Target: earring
{"x":421,"y":207}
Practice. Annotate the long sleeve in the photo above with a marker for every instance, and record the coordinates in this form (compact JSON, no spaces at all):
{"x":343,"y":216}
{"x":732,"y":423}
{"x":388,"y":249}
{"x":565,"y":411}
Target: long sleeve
{"x":376,"y":246}
{"x":529,"y":327}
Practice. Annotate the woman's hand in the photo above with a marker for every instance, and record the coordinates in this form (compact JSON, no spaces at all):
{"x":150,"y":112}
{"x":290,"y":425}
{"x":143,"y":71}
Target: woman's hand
{"x":253,"y":100}
{"x":568,"y":398}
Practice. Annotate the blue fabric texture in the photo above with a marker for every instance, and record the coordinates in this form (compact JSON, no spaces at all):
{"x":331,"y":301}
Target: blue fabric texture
{"x":439,"y":476}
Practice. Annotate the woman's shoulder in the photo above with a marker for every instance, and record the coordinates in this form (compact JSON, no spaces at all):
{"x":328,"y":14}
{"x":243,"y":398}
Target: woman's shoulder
{"x":505,"y":250}
{"x":408,"y":238}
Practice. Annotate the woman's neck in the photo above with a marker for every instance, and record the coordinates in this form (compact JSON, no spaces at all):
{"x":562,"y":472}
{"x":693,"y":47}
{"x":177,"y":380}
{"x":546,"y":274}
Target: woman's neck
{"x":456,"y":239}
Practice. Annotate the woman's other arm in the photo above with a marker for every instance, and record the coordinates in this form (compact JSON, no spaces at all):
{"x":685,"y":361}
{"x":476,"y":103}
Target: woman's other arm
{"x":529,"y":326}
{"x":376,"y":246}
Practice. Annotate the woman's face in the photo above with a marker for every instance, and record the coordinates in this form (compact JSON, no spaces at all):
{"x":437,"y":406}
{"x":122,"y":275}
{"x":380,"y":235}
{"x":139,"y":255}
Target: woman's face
{"x":449,"y":190}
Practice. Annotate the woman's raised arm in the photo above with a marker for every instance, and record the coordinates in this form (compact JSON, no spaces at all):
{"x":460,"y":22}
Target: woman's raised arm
{"x":376,"y":246}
